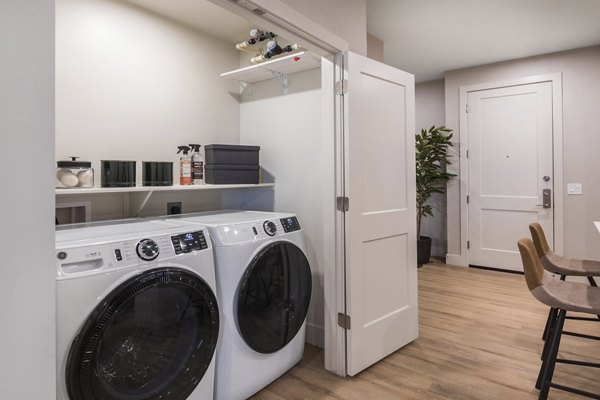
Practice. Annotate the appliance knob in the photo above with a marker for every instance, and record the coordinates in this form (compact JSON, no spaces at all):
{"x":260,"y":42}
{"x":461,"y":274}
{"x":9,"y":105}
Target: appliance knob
{"x":147,"y":249}
{"x":270,"y":228}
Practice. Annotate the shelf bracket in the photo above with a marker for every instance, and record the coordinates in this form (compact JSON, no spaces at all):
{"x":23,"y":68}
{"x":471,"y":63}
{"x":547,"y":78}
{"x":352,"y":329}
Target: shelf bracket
{"x":143,"y":203}
{"x":283,"y":80}
{"x":245,"y":86}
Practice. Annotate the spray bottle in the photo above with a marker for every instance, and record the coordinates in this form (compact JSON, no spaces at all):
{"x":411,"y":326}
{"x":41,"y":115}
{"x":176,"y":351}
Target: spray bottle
{"x":185,"y":166}
{"x":197,"y":165}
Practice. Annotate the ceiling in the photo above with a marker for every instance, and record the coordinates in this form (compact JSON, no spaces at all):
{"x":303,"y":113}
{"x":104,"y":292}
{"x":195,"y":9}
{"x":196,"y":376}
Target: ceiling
{"x":429,"y":37}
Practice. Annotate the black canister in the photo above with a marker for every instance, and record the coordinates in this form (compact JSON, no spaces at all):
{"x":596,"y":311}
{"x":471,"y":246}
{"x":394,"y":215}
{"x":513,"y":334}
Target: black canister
{"x":117,"y":173}
{"x":157,"y":173}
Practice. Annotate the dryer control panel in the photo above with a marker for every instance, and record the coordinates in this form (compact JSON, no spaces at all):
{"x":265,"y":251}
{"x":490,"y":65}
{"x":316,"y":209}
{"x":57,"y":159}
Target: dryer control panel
{"x":290,"y":224}
{"x":188,"y":242}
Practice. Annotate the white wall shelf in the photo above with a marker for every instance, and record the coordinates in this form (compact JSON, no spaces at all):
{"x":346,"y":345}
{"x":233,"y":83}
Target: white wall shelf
{"x":134,"y":189}
{"x":278,"y":68}
{"x":141,"y":194}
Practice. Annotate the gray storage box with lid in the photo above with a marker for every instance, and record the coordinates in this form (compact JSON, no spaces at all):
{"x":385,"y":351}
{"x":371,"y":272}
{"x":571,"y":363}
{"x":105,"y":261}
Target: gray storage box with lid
{"x":231,"y":164}
{"x":231,"y":154}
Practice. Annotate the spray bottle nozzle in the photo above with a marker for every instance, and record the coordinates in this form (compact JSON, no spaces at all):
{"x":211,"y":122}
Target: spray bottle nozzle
{"x":185,"y":149}
{"x":195,"y":147}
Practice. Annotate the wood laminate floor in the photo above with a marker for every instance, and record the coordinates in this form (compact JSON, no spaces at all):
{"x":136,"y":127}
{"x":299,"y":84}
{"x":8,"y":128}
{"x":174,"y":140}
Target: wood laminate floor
{"x":479,"y":339}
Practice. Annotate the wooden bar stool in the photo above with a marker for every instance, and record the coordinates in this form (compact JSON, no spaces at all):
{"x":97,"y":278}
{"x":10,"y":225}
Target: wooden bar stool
{"x":562,"y":296}
{"x":562,"y":266}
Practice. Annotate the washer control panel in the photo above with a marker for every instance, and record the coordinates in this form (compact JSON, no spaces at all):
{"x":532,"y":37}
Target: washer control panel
{"x":270,"y":228}
{"x":146,"y":249}
{"x":188,"y":242}
{"x":290,"y":224}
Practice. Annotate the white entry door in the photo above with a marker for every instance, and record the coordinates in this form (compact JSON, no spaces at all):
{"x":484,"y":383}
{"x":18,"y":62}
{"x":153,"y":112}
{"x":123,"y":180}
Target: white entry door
{"x":510,"y":170}
{"x":381,"y":266}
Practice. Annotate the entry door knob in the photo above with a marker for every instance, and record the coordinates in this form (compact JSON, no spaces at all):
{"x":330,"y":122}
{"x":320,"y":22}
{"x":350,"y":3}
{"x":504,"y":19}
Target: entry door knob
{"x":546,"y":178}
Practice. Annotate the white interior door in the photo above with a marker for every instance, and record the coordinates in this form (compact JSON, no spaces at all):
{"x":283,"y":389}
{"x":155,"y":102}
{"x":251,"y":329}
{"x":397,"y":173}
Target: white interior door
{"x":381,"y":267}
{"x":510,"y":167}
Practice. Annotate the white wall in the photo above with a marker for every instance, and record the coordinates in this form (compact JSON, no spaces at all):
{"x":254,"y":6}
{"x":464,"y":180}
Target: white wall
{"x":345,"y":18}
{"x":132,"y":85}
{"x":429,"y":110}
{"x":27,"y":336}
{"x":581,"y":138}
{"x":111,"y":206}
{"x":289,"y":130}
{"x":374,"y":48}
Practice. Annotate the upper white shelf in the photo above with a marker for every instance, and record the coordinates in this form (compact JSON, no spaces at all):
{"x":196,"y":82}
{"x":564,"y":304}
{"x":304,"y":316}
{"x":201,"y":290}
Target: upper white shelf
{"x":100,"y":190}
{"x":285,"y":65}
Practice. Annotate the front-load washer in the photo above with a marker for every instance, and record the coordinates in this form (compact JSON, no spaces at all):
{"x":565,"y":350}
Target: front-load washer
{"x":137,"y":314}
{"x":264,"y":288}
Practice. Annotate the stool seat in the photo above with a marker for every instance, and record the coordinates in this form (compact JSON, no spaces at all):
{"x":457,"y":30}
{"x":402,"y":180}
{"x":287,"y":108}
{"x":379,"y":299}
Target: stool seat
{"x":567,"y":266}
{"x":568,"y":296}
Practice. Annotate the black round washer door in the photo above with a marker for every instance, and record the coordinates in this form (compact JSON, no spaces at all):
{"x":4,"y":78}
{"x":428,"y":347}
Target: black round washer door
{"x":153,"y":337}
{"x":273,"y":297}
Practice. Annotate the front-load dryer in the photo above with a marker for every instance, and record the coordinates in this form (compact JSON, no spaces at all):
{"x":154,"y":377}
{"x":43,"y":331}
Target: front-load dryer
{"x":137,"y":314}
{"x":264,"y":289}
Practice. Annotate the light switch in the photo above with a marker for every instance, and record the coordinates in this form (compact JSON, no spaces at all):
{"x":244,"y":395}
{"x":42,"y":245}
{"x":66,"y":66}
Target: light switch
{"x":574,"y":188}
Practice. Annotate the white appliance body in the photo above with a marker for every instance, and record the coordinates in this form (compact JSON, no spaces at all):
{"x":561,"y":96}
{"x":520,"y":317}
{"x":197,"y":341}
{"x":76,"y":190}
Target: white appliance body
{"x":248,"y":360}
{"x":104,"y":284}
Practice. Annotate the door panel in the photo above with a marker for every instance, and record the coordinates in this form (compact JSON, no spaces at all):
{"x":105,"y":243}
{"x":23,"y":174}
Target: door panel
{"x":510,"y":152}
{"x":381,"y":273}
{"x":382,"y":145}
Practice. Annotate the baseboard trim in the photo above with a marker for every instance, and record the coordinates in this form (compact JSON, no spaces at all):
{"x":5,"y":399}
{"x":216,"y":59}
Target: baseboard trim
{"x":457,"y":260}
{"x":510,"y":271}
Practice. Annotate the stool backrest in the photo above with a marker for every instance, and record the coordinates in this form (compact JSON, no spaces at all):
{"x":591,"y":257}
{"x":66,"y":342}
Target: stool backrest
{"x":534,"y":271}
{"x":539,"y":239}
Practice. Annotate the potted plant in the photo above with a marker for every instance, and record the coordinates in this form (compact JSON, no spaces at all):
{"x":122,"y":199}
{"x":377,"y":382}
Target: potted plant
{"x":431,"y":159}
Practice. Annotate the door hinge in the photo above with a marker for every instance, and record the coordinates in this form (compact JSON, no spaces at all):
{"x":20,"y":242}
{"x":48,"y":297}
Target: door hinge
{"x":344,"y":320}
{"x":341,"y":87}
{"x":342,"y":203}
{"x":468,"y":244}
{"x":467,"y":108}
{"x":467,"y":199}
{"x":467,"y":153}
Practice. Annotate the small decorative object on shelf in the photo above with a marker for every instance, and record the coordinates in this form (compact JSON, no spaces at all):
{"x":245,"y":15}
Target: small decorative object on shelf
{"x":272,"y":49}
{"x":74,"y":174}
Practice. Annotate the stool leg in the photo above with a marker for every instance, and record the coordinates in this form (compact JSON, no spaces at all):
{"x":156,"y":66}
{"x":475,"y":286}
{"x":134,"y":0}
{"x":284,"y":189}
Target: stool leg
{"x":549,"y":322}
{"x":553,"y":353}
{"x":553,"y":317}
{"x":547,"y":327}
{"x":594,"y":284}
{"x":551,"y":326}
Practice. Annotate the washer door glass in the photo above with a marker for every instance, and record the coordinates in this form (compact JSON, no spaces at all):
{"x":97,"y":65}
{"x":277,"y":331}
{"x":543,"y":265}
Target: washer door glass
{"x":273,"y":297}
{"x":153,"y":337}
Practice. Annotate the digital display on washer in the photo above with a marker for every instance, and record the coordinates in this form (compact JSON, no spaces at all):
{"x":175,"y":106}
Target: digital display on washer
{"x":290,"y":224}
{"x":188,"y":242}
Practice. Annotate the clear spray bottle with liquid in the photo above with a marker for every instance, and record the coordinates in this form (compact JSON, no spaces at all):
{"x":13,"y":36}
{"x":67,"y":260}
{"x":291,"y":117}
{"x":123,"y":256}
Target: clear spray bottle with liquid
{"x":197,"y":165}
{"x":185,"y":166}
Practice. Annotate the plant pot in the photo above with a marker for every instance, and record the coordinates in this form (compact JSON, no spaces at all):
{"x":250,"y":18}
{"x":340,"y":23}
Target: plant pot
{"x":423,"y":250}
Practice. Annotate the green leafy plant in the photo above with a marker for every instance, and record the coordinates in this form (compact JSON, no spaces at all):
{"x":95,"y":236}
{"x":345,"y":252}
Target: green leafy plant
{"x":431,"y":159}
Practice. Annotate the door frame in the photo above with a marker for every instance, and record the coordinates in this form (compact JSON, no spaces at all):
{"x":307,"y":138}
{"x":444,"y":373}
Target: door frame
{"x":557,"y":165}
